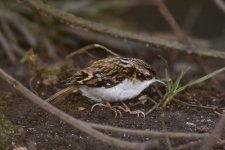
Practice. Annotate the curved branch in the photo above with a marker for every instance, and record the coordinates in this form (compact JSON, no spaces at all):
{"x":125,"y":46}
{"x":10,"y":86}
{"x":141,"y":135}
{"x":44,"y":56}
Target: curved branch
{"x":147,"y":132}
{"x":151,"y":41}
{"x":220,"y":4}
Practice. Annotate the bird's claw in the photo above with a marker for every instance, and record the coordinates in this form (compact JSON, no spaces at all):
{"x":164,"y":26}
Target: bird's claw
{"x":116,"y":111}
{"x":127,"y":109}
{"x":138,"y":112}
{"x":97,"y":104}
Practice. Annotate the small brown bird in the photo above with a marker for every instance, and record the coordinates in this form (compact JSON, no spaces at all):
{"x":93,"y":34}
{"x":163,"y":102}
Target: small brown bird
{"x":111,"y":80}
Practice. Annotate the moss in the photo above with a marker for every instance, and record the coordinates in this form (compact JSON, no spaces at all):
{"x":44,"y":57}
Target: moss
{"x":2,"y":144}
{"x":30,"y":58}
{"x":6,"y":130}
{"x":6,"y":126}
{"x":44,"y":72}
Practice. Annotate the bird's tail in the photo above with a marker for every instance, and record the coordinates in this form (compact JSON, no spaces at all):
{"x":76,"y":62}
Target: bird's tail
{"x":57,"y":97}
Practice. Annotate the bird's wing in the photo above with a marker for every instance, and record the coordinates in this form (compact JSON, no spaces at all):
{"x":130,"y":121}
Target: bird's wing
{"x":102,"y":73}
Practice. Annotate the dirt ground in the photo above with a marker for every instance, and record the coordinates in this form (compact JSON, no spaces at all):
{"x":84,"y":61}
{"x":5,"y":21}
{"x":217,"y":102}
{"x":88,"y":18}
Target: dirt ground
{"x":42,"y":131}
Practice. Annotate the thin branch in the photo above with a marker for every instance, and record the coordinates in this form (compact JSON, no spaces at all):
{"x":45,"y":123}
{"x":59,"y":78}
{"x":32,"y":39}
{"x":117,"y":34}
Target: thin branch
{"x":191,"y":17}
{"x":154,"y":107}
{"x":220,"y":143}
{"x":50,"y":48}
{"x":189,"y":145}
{"x":84,"y":49}
{"x":20,"y":23}
{"x":215,"y":135}
{"x":73,"y":121}
{"x":148,"y":132}
{"x":182,"y":37}
{"x":167,"y":139}
{"x":9,"y":33}
{"x":153,"y":42}
{"x":198,"y":106}
{"x":220,"y":4}
{"x":7,"y":48}
{"x":13,"y":41}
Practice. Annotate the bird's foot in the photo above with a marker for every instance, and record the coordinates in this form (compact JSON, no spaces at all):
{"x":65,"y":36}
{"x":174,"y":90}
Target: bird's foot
{"x":127,"y":109}
{"x":108,"y":105}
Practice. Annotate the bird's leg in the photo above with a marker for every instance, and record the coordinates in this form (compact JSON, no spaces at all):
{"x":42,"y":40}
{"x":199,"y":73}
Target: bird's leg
{"x":108,"y":105}
{"x":125,"y":108}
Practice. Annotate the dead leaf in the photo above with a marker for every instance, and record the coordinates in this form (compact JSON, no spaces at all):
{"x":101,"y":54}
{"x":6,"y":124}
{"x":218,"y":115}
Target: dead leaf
{"x":81,"y":108}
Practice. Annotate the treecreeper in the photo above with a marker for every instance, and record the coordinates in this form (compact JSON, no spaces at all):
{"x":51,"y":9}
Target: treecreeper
{"x":114,"y":79}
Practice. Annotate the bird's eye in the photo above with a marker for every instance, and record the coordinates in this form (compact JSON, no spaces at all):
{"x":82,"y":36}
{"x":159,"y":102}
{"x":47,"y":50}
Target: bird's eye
{"x":147,"y":76}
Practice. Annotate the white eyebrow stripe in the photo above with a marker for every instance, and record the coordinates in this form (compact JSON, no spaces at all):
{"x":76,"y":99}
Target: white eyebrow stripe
{"x":126,"y":61}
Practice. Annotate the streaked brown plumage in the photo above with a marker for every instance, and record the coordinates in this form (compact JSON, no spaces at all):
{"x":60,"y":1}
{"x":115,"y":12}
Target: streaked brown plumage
{"x":109,"y":72}
{"x":110,"y":79}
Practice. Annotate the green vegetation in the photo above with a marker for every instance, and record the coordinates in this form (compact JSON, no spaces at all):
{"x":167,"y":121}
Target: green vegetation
{"x":6,"y":128}
{"x":174,"y":88}
{"x":45,"y":71}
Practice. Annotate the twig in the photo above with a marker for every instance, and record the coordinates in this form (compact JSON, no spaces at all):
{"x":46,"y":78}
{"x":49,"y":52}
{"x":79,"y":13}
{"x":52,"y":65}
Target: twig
{"x":13,"y":41}
{"x":162,"y":99}
{"x":154,"y":107}
{"x":7,"y":30}
{"x":215,"y":135}
{"x":6,"y":47}
{"x":182,"y":37}
{"x":198,"y":106}
{"x":84,"y":49}
{"x":73,"y":121}
{"x":18,"y":50}
{"x":189,"y":145}
{"x":102,"y":39}
{"x":168,"y":142}
{"x":220,"y":143}
{"x":50,"y":48}
{"x":19,"y":23}
{"x":31,"y":86}
{"x":191,"y":17}
{"x":147,"y":132}
{"x":153,"y":42}
{"x":220,"y":4}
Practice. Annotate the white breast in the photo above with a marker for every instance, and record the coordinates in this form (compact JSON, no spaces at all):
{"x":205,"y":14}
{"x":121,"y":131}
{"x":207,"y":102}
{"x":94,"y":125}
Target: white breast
{"x":125,"y":90}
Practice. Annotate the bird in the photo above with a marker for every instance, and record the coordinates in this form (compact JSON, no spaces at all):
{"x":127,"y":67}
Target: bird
{"x":108,"y":80}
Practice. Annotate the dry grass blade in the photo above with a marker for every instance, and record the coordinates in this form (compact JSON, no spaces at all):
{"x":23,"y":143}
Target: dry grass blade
{"x":202,"y":79}
{"x":171,"y":21}
{"x":199,"y":106}
{"x":86,"y":48}
{"x":148,"y":132}
{"x":51,"y":49}
{"x":189,"y":145}
{"x":7,"y":48}
{"x":168,"y":142}
{"x":220,"y":4}
{"x":175,"y":88}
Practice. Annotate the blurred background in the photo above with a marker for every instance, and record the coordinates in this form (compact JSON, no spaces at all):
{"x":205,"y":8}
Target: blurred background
{"x":22,"y":29}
